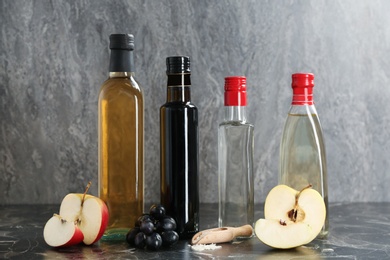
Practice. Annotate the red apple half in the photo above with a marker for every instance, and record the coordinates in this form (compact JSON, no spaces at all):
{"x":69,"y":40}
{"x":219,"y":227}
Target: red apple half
{"x":89,"y":212}
{"x":59,"y":232}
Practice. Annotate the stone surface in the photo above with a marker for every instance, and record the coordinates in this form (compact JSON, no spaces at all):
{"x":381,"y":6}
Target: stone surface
{"x":357,"y":231}
{"x":54,"y":57}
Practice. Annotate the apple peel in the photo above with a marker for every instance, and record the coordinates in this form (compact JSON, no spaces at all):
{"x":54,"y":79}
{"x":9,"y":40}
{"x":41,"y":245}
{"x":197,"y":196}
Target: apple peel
{"x":291,"y":218}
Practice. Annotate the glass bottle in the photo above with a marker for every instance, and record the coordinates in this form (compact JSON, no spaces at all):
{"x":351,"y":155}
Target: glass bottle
{"x":121,"y":140}
{"x":302,"y":149}
{"x":179,"y":149}
{"x":235,"y":158}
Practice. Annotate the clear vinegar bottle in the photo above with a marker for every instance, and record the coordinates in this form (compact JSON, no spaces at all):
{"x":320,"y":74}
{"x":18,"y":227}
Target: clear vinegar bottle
{"x":302,"y":149}
{"x":235,"y":158}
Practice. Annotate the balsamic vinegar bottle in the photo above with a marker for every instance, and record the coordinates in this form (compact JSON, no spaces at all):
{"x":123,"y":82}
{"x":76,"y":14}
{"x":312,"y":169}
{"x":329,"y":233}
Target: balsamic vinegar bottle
{"x":179,"y":149}
{"x":121,"y":140}
{"x":235,"y":158}
{"x":302,"y":149}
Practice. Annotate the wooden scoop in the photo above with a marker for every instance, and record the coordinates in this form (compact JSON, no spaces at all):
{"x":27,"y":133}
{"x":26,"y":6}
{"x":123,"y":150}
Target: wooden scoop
{"x":221,"y":235}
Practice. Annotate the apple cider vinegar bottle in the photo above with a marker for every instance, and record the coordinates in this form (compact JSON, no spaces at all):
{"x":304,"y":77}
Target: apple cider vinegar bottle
{"x":302,"y":149}
{"x":235,"y":158}
{"x":121,"y":140}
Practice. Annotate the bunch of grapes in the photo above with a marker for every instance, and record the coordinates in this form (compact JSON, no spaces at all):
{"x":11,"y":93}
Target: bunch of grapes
{"x":153,"y":230}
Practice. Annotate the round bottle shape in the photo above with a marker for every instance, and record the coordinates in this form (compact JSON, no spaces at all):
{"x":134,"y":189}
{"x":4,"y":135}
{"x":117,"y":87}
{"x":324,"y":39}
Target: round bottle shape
{"x":235,"y":158}
{"x":179,"y":149}
{"x":302,"y":149}
{"x":121,"y":140}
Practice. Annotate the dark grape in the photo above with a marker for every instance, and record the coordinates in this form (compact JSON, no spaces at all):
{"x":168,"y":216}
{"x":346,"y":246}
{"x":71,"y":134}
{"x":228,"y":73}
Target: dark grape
{"x":166,"y":224}
{"x":157,"y":211}
{"x":154,"y":241}
{"x":140,"y":240}
{"x":147,"y":227}
{"x":145,"y":217}
{"x":169,"y":238}
{"x":153,"y":230}
{"x":131,"y":235}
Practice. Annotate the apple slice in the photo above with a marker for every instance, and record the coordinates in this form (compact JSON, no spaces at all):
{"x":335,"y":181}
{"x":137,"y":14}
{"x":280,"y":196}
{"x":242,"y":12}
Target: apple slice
{"x":292,"y":218}
{"x":59,"y":232}
{"x":90,"y":213}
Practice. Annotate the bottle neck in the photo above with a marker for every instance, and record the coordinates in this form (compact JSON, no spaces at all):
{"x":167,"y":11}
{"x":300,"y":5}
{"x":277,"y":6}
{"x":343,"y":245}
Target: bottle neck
{"x":121,"y":61}
{"x":302,"y":101}
{"x":178,"y":87}
{"x":302,"y":96}
{"x":235,"y":113}
{"x":302,"y":109}
{"x":121,"y":74}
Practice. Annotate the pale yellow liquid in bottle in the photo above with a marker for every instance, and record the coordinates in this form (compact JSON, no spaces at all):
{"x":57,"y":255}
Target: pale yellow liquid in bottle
{"x":303,"y":158}
{"x":121,"y":163}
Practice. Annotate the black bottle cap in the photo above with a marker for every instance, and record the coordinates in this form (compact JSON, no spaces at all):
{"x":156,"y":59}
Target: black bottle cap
{"x":122,"y":42}
{"x":178,"y":64}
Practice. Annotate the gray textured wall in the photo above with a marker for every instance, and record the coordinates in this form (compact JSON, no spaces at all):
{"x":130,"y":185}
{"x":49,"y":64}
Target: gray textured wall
{"x":54,"y":57}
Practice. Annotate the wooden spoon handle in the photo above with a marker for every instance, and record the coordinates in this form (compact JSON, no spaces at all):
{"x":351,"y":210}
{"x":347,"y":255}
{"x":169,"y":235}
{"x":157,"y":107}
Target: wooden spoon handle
{"x":243,"y":231}
{"x":221,"y":235}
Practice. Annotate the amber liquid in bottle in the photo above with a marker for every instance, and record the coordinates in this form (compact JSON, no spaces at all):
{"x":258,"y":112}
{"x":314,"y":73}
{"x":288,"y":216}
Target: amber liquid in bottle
{"x":121,"y":131}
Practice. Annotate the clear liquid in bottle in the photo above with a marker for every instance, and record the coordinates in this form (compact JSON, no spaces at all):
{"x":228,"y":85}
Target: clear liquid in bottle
{"x":236,"y":190}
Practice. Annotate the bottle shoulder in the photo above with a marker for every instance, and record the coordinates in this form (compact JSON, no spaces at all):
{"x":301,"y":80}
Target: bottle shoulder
{"x":243,"y":124}
{"x":294,"y":118}
{"x":121,"y":85}
{"x":302,"y":110}
{"x":173,"y":105}
{"x":300,"y":127}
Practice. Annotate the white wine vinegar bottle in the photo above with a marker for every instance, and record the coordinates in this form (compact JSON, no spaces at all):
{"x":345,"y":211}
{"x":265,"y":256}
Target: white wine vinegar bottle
{"x":121,"y":140}
{"x":302,"y":151}
{"x":235,"y":158}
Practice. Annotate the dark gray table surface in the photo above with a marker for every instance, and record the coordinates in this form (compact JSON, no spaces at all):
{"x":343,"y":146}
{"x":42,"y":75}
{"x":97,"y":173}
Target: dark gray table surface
{"x":357,"y":231}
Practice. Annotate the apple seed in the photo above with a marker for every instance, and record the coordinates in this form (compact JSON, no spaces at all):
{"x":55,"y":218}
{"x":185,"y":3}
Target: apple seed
{"x":62,"y":219}
{"x":297,"y":213}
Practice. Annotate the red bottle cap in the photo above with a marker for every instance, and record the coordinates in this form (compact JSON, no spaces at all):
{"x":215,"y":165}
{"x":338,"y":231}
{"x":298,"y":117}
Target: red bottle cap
{"x":302,"y":85}
{"x":235,"y":91}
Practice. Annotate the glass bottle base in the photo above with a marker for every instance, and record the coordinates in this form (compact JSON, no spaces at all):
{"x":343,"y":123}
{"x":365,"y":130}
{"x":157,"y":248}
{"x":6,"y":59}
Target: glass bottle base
{"x":240,"y":239}
{"x":323,"y":234}
{"x":115,"y":234}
